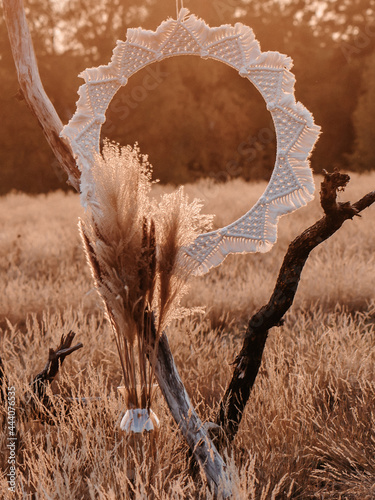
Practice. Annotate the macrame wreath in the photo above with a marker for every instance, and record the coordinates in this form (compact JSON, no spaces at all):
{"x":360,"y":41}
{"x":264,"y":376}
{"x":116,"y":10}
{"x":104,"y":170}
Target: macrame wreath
{"x":291,"y":185}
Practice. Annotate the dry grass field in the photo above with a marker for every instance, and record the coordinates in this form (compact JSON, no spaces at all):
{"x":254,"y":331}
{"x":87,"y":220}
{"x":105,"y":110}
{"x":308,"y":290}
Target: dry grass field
{"x":309,"y":429}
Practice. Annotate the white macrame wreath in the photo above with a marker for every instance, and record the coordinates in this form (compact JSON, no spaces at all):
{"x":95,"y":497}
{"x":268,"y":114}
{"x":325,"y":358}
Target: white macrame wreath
{"x":291,"y":185}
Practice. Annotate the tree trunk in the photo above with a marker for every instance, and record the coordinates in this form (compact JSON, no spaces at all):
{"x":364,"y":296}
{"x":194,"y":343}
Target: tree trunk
{"x":187,"y":419}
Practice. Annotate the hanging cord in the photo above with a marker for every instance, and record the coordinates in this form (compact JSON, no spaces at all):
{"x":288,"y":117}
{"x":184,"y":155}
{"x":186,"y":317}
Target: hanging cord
{"x":178,"y":8}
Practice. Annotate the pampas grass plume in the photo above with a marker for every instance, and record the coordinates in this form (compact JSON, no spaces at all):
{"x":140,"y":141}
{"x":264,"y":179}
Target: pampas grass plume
{"x":135,"y":249}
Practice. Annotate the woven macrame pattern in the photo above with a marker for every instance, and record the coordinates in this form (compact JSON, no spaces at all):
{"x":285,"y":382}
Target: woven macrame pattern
{"x":291,"y":185}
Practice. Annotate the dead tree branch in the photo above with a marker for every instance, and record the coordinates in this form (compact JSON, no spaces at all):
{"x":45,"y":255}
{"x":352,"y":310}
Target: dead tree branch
{"x":56,"y":358}
{"x":165,"y":370}
{"x":247,"y":363}
{"x":38,"y":398}
{"x":192,"y":428}
{"x":31,"y":88}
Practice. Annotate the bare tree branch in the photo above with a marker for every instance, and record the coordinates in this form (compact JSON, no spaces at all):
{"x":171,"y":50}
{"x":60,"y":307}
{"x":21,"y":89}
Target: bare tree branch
{"x":247,"y":363}
{"x":32,"y":89}
{"x":186,"y":417}
{"x":165,"y":370}
{"x":55,"y":360}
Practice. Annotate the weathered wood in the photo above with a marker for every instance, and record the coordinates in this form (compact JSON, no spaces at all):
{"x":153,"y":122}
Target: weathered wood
{"x":165,"y":369}
{"x":55,"y":360}
{"x":247,"y":363}
{"x":187,"y":419}
{"x":32,"y":89}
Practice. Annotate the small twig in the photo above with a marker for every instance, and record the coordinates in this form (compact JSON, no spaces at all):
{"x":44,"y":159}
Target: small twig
{"x":247,"y":363}
{"x":55,"y":360}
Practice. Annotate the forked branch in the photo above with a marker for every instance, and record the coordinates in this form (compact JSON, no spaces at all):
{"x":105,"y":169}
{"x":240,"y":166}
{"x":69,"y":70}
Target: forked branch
{"x":247,"y":363}
{"x":56,"y":358}
{"x":38,"y":399}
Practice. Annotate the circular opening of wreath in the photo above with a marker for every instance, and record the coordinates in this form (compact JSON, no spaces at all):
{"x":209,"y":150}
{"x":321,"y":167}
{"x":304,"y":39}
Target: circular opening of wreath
{"x":291,"y":184}
{"x":195,"y":119}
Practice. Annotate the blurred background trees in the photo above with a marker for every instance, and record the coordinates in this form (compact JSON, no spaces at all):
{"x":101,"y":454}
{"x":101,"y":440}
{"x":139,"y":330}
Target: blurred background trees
{"x":196,"y":118}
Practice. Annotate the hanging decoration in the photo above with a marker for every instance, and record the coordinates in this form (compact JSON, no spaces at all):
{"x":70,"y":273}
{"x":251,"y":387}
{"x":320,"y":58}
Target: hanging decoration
{"x":291,"y":185}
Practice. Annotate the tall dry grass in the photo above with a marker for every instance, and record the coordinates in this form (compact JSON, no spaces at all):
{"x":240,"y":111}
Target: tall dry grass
{"x":309,"y":428}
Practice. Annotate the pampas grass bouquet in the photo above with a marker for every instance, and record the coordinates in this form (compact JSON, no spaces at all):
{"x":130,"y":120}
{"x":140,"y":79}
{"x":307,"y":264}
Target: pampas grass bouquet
{"x":134,"y":246}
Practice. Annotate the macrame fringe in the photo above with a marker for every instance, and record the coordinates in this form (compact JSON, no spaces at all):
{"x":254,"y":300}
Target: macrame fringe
{"x":226,"y":245}
{"x":302,"y":148}
{"x":288,"y":82}
{"x":274,"y":60}
{"x":229,"y":244}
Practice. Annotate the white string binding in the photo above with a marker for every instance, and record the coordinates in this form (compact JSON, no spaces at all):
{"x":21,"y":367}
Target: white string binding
{"x":291,"y":185}
{"x":178,"y":9}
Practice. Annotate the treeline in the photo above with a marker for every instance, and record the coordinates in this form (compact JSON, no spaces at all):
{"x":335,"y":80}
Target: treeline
{"x":194,"y":117}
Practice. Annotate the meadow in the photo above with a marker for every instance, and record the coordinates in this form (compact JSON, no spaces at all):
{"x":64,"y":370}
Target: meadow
{"x":308,"y":431}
